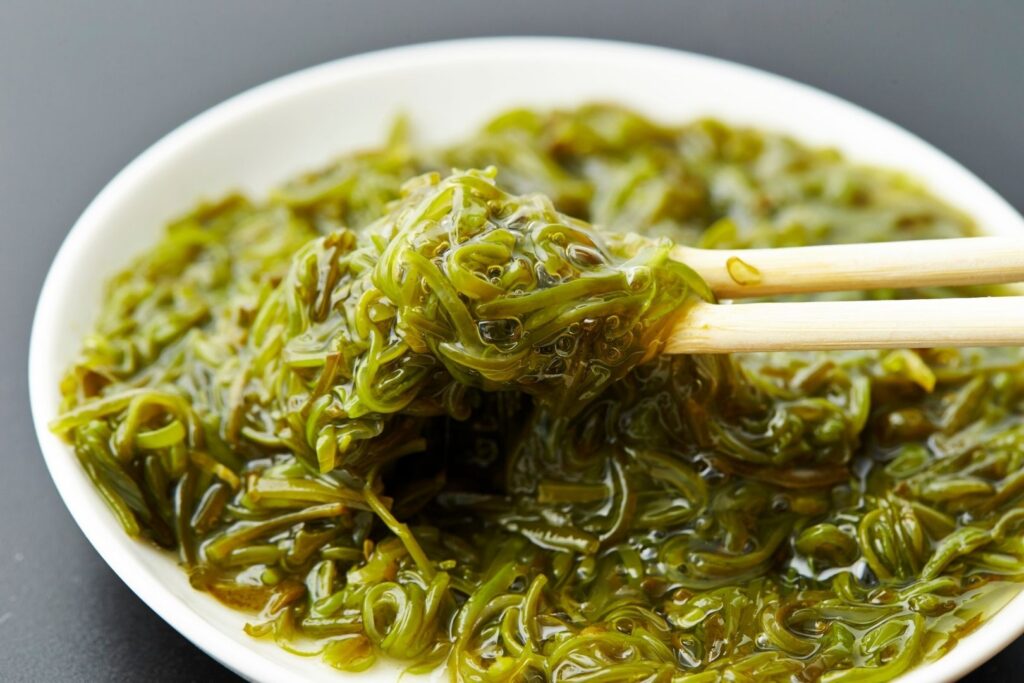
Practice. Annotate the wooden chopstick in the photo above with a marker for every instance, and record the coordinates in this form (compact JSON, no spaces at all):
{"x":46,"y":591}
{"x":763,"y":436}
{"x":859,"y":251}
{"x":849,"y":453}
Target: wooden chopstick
{"x":829,"y":325}
{"x":745,"y":273}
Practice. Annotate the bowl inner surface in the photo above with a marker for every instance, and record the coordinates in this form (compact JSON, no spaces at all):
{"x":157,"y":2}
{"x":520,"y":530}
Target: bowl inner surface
{"x":265,"y":135}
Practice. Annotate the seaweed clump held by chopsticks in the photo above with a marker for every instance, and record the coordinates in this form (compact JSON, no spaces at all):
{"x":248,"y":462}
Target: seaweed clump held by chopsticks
{"x":399,"y":411}
{"x":460,"y":286}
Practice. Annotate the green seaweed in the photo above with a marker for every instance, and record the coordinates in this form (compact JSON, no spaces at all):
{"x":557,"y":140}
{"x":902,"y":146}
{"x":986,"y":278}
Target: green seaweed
{"x":407,"y":411}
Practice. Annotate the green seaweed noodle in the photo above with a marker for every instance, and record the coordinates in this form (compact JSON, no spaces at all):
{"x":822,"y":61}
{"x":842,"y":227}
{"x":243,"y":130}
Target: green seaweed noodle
{"x":398,"y":410}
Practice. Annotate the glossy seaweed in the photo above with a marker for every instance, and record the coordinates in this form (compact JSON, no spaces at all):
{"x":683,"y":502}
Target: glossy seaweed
{"x":401,"y":410}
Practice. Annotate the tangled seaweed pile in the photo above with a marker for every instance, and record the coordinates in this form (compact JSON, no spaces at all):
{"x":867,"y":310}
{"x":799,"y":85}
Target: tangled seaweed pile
{"x":426,"y":418}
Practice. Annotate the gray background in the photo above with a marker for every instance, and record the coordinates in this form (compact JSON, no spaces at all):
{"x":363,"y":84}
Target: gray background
{"x":86,"y":86}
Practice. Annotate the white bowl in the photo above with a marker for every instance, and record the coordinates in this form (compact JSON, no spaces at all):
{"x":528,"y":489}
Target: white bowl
{"x":263,"y":136}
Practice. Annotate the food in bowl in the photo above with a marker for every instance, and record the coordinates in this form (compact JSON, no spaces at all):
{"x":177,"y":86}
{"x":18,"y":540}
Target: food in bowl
{"x":401,"y":410}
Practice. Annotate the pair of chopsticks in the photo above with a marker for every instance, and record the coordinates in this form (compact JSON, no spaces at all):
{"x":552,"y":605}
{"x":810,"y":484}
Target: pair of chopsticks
{"x":818,"y":325}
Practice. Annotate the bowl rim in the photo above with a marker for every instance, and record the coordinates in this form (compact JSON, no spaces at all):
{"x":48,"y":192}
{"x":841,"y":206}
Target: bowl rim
{"x":998,"y":631}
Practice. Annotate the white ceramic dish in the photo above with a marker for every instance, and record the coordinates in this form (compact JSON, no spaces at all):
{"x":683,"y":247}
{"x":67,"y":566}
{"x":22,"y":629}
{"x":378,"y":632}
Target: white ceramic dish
{"x":300,"y":121}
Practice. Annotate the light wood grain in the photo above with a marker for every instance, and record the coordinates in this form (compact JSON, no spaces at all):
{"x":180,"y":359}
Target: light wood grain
{"x":764,"y":272}
{"x":824,"y":325}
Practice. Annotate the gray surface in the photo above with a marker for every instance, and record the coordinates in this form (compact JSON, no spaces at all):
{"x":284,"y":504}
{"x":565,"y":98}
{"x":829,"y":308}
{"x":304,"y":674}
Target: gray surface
{"x":86,"y":86}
